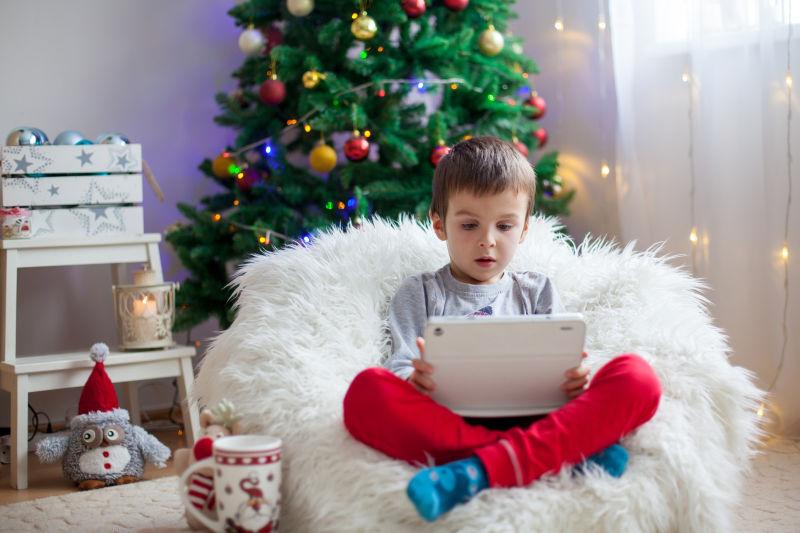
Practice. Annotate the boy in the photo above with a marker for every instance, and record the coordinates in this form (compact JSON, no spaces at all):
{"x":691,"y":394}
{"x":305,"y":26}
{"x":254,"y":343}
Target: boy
{"x":483,"y":193}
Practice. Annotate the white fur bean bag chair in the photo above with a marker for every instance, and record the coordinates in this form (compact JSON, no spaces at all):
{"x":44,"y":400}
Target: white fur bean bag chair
{"x":310,"y":318}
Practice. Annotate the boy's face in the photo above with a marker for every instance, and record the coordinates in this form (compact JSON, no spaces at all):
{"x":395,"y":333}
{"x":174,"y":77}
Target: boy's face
{"x":482,"y":233}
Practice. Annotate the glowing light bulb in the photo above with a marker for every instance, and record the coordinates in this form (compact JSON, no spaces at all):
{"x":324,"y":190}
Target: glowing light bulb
{"x":601,"y":24}
{"x":367,"y":134}
{"x":785,"y":253}
{"x":789,"y":80}
{"x":490,"y":97}
{"x":454,"y":86}
{"x":685,"y":77}
{"x":354,"y":16}
{"x":559,"y":24}
{"x":235,"y":203}
{"x":380,"y":49}
{"x":262,"y":240}
{"x":693,"y":236}
{"x":217,"y":217}
{"x":268,"y":149}
{"x":420,"y":85}
{"x":307,"y":127}
{"x":525,"y":75}
{"x":605,"y":170}
{"x":760,"y":411}
{"x":340,"y":205}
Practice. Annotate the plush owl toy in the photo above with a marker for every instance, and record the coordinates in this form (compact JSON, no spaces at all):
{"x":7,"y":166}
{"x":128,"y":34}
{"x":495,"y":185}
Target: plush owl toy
{"x":102,"y":447}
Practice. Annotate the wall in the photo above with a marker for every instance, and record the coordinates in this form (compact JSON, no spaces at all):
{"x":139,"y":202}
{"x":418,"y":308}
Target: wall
{"x":147,"y":68}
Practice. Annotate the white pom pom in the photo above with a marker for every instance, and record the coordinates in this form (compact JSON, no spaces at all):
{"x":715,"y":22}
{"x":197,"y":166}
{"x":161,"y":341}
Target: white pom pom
{"x":99,"y":352}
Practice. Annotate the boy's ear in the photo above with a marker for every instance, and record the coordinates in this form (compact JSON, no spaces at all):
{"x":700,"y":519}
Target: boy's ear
{"x":524,"y":230}
{"x":438,"y":226}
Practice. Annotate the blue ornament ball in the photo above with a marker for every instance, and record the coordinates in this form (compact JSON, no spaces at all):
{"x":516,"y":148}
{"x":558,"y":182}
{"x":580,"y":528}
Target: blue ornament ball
{"x":112,"y":138}
{"x":25,"y":136}
{"x":71,"y":137}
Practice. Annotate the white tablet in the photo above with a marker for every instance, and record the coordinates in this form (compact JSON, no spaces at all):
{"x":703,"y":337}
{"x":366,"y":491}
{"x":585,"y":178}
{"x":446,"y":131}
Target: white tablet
{"x":503,"y":366}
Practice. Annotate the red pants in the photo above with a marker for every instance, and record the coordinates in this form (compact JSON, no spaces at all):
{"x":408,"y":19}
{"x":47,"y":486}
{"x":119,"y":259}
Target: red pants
{"x":389,"y":414}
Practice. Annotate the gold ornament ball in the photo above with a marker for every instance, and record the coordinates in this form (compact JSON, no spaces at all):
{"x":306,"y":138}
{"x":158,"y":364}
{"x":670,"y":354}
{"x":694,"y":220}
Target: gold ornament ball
{"x":364,"y":27}
{"x":311,"y":79}
{"x":322,"y":158}
{"x":221,"y":166}
{"x":300,"y":8}
{"x":491,"y":42}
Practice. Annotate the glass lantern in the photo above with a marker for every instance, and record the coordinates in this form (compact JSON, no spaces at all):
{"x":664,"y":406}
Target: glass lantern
{"x":145,"y":312}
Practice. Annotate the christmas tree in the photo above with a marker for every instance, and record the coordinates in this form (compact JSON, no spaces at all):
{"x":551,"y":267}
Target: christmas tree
{"x":391,"y":84}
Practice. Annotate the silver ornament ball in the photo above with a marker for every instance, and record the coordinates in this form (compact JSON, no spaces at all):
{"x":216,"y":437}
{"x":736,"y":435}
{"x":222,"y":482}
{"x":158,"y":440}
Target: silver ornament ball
{"x":252,"y":42}
{"x":300,"y":8}
{"x":71,"y":137}
{"x":112,"y":138}
{"x":25,"y":136}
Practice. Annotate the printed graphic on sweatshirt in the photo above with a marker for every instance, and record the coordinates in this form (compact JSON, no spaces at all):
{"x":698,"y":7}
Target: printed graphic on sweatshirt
{"x":483,"y":311}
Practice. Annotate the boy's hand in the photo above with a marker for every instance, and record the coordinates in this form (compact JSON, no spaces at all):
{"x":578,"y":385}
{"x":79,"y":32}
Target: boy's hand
{"x":577,"y":379}
{"x":422,"y":378}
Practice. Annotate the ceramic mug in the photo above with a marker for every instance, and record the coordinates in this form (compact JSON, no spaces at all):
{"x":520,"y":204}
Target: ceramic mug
{"x":247,"y":480}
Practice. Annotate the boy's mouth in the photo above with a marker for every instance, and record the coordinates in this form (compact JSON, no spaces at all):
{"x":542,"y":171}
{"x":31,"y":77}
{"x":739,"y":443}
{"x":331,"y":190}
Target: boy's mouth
{"x":485,"y":261}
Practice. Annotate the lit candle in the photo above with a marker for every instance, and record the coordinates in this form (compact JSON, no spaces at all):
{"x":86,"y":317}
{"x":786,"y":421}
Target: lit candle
{"x":146,"y":307}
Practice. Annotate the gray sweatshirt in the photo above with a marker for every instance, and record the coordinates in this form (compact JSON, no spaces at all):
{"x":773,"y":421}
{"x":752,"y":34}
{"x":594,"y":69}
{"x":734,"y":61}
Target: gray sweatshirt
{"x":440,"y":294}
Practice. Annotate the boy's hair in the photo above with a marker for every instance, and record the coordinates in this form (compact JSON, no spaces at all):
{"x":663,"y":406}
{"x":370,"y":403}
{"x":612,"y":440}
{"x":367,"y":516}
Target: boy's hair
{"x":481,"y":166}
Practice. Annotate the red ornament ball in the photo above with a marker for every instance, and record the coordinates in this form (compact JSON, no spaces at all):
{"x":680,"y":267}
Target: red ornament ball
{"x":541,"y":136}
{"x":274,"y":36}
{"x":272,"y":92}
{"x":414,"y":8}
{"x":521,"y":148}
{"x":456,"y":5}
{"x":356,"y":148}
{"x":438,"y":153}
{"x":247,"y":178}
{"x":202,"y":448}
{"x":538,"y":104}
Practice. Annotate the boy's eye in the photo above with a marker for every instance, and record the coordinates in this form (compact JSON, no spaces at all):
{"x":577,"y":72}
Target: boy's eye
{"x":504,"y":227}
{"x":469,"y":226}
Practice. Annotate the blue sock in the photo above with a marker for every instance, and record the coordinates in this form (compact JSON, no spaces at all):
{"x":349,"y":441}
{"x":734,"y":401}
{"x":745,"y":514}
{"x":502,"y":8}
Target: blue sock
{"x":436,"y":490}
{"x":613,"y":460}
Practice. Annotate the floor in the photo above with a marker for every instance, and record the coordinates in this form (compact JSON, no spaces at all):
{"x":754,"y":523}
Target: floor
{"x":771,"y":497}
{"x":770,"y":502}
{"x":48,"y":480}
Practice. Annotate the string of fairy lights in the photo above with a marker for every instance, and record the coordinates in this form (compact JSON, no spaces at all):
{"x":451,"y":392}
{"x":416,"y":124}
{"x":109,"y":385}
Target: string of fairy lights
{"x":265,"y":233}
{"x":786,"y":16}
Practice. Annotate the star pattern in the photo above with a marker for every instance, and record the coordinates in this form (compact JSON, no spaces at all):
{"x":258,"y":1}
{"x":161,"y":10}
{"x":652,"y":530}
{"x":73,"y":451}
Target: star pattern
{"x":85,"y":158}
{"x":53,"y":190}
{"x":97,"y":194}
{"x":42,"y":227}
{"x":14,"y":159}
{"x":99,"y":212}
{"x":23,"y":164}
{"x":123,"y":161}
{"x":98,"y":220}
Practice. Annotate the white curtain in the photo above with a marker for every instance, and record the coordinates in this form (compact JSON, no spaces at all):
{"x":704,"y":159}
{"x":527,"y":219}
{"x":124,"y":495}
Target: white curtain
{"x":702,"y":139}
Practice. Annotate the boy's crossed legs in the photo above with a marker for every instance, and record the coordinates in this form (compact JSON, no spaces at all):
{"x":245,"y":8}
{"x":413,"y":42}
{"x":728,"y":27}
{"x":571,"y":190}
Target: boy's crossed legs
{"x":390,"y":415}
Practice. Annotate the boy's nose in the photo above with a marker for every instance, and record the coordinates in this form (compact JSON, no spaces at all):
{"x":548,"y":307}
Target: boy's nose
{"x":487,"y":240}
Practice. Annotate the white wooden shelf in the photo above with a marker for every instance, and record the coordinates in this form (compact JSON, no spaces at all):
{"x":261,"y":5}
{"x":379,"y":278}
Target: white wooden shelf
{"x":23,"y":375}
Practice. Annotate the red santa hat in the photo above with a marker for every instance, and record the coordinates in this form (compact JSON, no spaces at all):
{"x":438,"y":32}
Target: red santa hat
{"x":98,"y":393}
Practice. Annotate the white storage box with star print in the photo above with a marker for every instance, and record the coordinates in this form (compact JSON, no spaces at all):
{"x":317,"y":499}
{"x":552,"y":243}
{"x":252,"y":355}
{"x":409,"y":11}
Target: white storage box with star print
{"x":75,"y":191}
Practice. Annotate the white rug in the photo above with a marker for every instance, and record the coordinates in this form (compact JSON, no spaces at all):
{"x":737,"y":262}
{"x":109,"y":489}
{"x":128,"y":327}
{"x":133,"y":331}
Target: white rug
{"x":771,"y":503}
{"x":147,"y":505}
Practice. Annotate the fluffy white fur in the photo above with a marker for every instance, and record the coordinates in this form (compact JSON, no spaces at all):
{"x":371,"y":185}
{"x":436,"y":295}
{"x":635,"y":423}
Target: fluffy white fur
{"x":310,"y":318}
